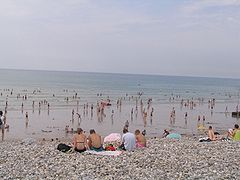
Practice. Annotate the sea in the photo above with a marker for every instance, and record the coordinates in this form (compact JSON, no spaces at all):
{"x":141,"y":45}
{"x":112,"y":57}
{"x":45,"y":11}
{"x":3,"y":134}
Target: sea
{"x":67,"y":93}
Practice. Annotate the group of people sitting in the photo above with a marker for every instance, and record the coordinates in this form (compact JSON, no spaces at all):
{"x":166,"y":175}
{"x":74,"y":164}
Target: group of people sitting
{"x":131,"y":141}
{"x":81,"y":143}
{"x":94,"y":141}
{"x":232,"y":134}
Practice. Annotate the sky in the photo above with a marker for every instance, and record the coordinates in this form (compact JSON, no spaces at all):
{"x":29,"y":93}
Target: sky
{"x":166,"y":37}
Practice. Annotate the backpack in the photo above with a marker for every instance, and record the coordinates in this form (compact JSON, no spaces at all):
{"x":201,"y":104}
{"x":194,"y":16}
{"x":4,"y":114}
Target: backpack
{"x":63,"y":148}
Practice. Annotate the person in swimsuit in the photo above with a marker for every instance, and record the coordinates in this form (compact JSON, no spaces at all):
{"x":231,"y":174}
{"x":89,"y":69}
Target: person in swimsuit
{"x":140,"y":139}
{"x":80,"y":141}
{"x":94,"y":141}
{"x":211,"y":134}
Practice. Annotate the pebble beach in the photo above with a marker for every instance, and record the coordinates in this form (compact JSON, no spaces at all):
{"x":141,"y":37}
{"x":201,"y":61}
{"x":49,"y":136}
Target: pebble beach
{"x":162,"y":159}
{"x":41,"y":118}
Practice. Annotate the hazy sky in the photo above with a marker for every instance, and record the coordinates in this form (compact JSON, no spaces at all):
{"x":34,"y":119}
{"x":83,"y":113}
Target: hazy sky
{"x":172,"y":37}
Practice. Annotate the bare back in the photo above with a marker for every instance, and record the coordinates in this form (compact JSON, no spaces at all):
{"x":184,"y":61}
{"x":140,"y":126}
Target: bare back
{"x":95,"y":140}
{"x":141,"y":139}
{"x":79,"y":141}
{"x":211,"y":135}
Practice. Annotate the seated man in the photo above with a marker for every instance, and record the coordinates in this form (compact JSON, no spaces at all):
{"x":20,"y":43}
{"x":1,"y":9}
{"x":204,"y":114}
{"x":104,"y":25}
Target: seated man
{"x":94,"y":141}
{"x":140,"y":139}
{"x":211,"y":134}
{"x":128,"y":141}
{"x":236,"y":133}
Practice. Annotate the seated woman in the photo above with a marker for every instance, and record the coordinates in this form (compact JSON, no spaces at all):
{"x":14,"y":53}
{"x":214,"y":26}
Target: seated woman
{"x":140,"y":139}
{"x":79,"y":141}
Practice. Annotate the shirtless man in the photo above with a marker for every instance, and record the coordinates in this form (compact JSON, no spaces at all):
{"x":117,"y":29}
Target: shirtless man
{"x":140,"y":139}
{"x":94,"y":141}
{"x":211,"y":134}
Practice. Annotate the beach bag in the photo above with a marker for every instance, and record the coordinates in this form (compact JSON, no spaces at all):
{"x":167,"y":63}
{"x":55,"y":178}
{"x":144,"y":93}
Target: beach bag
{"x":64,"y":148}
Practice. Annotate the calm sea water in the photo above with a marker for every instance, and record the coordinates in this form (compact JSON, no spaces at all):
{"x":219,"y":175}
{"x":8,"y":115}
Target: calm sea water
{"x":88,"y":86}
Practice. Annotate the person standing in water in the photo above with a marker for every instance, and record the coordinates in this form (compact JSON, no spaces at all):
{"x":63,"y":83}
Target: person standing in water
{"x":26,"y":116}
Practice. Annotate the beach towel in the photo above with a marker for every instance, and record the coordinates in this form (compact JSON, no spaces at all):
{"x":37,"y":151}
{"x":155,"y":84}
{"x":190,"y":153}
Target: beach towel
{"x":174,"y":136}
{"x":104,"y":153}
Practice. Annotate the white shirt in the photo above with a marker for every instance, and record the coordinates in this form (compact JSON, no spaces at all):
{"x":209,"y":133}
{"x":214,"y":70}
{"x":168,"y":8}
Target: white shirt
{"x":129,"y":141}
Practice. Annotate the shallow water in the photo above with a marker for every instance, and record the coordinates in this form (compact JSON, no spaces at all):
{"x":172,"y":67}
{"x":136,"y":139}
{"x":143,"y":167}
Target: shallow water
{"x":89,"y":86}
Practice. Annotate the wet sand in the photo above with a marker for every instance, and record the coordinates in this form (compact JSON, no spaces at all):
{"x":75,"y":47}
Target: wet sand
{"x":49,"y":121}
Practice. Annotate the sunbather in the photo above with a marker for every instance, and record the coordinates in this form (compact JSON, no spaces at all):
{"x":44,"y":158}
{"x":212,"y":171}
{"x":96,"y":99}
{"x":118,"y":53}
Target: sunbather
{"x":79,"y":141}
{"x":140,"y":139}
{"x":211,"y":134}
{"x":94,"y":141}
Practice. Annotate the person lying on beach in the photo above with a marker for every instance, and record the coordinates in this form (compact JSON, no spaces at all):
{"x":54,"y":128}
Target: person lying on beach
{"x":128,"y":141}
{"x":80,"y":141}
{"x":94,"y":141}
{"x":211,"y":134}
{"x":140,"y":139}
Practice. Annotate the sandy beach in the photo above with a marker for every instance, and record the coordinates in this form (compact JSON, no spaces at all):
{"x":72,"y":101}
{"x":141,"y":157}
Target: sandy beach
{"x":162,"y":159}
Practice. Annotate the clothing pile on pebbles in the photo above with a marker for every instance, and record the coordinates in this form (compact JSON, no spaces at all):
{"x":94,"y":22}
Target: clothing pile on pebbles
{"x":163,"y":159}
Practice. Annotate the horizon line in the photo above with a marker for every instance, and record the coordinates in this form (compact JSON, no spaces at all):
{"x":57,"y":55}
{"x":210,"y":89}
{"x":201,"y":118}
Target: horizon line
{"x":122,"y":73}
